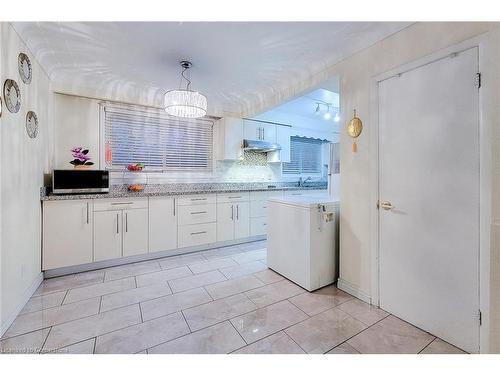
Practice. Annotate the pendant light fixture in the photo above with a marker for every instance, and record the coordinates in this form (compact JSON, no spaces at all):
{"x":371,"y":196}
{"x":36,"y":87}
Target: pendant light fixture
{"x":185,"y":102}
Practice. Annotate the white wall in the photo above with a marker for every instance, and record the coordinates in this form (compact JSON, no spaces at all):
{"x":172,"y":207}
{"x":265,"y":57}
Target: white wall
{"x":22,"y":165}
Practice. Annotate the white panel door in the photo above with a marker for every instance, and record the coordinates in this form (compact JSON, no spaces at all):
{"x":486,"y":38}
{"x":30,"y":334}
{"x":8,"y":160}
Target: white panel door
{"x":242,"y":220}
{"x":225,"y":221}
{"x":162,"y":224}
{"x":429,"y":172}
{"x":67,"y":233}
{"x":135,"y":232}
{"x":107,"y":235}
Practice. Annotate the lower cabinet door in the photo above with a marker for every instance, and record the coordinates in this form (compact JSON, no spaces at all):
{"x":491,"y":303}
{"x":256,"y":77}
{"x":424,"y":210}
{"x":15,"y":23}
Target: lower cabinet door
{"x":67,"y":233}
{"x":107,"y":235}
{"x":135,"y":232}
{"x":258,"y":226}
{"x":226,"y":215}
{"x":242,"y":220}
{"x":162,"y":224}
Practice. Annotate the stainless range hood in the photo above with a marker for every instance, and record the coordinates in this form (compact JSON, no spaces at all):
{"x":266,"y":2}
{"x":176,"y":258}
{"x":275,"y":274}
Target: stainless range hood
{"x":260,"y":146}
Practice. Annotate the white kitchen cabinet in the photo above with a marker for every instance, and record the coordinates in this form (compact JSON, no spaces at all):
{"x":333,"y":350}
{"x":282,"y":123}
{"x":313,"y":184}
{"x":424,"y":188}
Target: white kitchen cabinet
{"x":197,"y":234}
{"x":242,"y":220}
{"x":283,"y":134}
{"x":233,"y":220}
{"x":67,"y":233}
{"x":230,"y":136}
{"x":107,"y":235}
{"x":162,"y":223}
{"x":259,"y":131}
{"x":197,"y":214}
{"x":225,"y":221}
{"x":135,"y":232}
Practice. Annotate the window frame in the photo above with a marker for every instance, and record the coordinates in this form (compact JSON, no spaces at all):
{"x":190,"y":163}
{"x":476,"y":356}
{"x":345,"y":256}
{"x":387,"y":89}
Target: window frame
{"x":301,"y":173}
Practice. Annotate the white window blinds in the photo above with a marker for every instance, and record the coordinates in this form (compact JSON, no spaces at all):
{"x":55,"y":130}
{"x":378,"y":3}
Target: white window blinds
{"x":161,"y":142}
{"x":305,"y":156}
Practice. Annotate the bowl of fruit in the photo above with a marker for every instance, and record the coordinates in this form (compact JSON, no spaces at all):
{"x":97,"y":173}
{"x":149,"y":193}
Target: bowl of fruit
{"x":136,"y":188}
{"x":137,"y":167}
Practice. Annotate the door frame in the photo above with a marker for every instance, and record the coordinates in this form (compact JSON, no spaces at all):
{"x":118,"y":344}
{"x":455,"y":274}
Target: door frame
{"x":485,"y":165}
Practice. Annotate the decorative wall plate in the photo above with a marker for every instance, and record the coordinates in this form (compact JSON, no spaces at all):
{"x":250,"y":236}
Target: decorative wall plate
{"x":31,"y":124}
{"x":12,"y":95}
{"x":24,"y":65}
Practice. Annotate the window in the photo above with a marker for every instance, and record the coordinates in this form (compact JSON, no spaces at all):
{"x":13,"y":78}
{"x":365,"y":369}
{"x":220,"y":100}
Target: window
{"x":161,"y":142}
{"x":305,"y":154}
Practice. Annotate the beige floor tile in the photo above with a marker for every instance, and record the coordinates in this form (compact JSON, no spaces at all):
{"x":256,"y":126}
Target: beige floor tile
{"x":55,"y":315}
{"x":210,"y":265}
{"x":263,"y":322}
{"x":134,"y":269}
{"x":222,"y":252}
{"x":391,"y":336}
{"x":133,"y":296}
{"x":58,"y":284}
{"x":268,"y":276}
{"x":83,"y":347}
{"x":139,"y":337}
{"x":215,"y":312}
{"x":256,"y":245}
{"x":78,"y":330}
{"x":219,"y":339}
{"x":324,"y":331}
{"x":243,"y":269}
{"x":195,"y":281}
{"x":363,"y":311}
{"x":233,"y":286}
{"x":162,"y":276}
{"x":272,"y":293}
{"x":29,"y":343}
{"x":250,"y":256}
{"x":344,"y":348}
{"x":181,"y":260}
{"x":439,"y":346}
{"x":43,"y":302}
{"x":320,"y":300}
{"x":279,"y":343}
{"x":97,"y":290}
{"x":173,"y":303}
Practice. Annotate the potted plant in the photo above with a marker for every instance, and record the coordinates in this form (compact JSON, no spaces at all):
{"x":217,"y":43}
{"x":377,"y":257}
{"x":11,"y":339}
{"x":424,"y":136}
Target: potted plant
{"x":81,"y":158}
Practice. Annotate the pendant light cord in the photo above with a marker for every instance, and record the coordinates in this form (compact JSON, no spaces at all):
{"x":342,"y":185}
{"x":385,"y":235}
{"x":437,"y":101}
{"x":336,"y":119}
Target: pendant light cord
{"x":187,"y":79}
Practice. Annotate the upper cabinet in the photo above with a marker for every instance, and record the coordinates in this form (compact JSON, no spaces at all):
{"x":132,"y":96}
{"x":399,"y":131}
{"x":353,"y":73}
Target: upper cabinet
{"x":230,"y":137}
{"x":259,"y":131}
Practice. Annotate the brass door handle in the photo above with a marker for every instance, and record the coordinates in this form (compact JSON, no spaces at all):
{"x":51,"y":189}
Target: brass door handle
{"x":385,"y":205}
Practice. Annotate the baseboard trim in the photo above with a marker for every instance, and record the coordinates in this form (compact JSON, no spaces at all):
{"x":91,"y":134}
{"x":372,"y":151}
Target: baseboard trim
{"x":353,"y":290}
{"x":26,"y":296}
{"x":148,"y":256}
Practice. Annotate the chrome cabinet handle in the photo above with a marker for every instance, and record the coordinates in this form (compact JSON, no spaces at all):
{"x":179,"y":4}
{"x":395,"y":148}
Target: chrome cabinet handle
{"x":117,"y":229}
{"x":126,"y":221}
{"x":174,"y":206}
{"x":198,"y":199}
{"x":238,"y":197}
{"x":385,"y":205}
{"x":193,"y":233}
{"x":88,"y":218}
{"x":232,"y":212}
{"x":198,"y":212}
{"x":263,"y":133}
{"x":237,"y":212}
{"x":120,"y":203}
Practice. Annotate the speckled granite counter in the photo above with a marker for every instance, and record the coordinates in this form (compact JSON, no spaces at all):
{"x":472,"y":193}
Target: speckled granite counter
{"x":120,"y":191}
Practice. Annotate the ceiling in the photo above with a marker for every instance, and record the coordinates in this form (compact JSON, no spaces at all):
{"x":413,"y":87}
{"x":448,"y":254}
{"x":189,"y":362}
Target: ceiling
{"x":235,"y":64}
{"x":305,"y":105}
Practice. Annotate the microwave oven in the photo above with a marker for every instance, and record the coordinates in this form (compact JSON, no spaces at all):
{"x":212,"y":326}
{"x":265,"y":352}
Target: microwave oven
{"x":74,"y":181}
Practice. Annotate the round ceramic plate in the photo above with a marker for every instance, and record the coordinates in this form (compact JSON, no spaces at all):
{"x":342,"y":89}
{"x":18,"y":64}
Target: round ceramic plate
{"x":24,"y":65}
{"x":31,"y":124}
{"x":12,"y":95}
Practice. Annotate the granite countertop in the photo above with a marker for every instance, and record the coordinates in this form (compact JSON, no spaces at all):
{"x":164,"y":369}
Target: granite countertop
{"x":120,"y":191}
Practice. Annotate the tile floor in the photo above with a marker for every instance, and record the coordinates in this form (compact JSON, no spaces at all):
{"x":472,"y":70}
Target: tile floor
{"x":223,"y":300}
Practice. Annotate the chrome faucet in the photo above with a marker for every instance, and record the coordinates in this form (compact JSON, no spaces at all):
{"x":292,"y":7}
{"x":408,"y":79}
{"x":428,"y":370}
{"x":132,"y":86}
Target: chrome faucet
{"x":303,"y":182}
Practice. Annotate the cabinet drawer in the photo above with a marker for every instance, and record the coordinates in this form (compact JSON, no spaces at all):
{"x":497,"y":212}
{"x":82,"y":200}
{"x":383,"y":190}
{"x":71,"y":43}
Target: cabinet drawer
{"x":198,"y":234}
{"x":258,"y":208}
{"x":233,"y":197}
{"x":315,"y":192}
{"x":119,"y":204}
{"x":258,"y":226}
{"x":262,"y":195}
{"x":294,"y":192}
{"x":190,"y":200}
{"x":197,"y":214}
